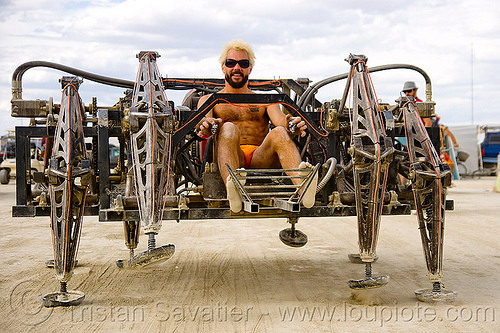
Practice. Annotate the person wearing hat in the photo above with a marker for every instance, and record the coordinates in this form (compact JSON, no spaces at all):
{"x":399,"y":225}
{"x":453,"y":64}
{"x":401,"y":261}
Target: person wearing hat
{"x":410,"y":90}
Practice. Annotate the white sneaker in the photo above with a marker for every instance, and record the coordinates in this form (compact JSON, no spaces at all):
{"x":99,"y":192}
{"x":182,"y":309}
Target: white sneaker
{"x":233,"y":195}
{"x":309,"y":197}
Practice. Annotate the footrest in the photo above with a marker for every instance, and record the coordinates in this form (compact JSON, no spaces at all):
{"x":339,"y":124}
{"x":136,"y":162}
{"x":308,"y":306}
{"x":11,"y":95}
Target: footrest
{"x":272,"y":187}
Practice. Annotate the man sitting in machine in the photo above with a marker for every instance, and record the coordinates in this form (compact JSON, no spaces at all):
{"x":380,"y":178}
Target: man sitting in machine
{"x":243,"y":138}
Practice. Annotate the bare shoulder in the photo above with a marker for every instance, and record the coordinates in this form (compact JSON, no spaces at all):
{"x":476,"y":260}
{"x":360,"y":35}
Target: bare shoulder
{"x":203,"y":99}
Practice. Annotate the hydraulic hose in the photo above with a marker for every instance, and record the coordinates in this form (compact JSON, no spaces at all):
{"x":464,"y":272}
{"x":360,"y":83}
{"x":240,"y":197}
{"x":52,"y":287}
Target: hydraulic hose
{"x":306,"y":97}
{"x":20,"y":70}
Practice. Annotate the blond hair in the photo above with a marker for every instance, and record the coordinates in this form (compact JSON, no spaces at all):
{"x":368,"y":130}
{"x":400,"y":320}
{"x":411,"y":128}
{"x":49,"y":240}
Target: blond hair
{"x":238,"y":45}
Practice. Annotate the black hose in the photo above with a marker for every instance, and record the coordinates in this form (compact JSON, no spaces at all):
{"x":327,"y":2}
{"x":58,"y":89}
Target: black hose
{"x":310,"y":91}
{"x":19,"y":71}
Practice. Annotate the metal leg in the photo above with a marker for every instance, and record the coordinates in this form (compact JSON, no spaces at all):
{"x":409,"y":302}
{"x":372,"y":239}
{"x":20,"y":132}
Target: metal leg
{"x":371,"y":151}
{"x":68,"y":172}
{"x":429,"y":179}
{"x":151,"y":125}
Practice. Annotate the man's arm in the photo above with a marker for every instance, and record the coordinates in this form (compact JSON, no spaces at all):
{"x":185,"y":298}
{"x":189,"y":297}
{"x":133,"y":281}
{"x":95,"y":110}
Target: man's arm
{"x":278,"y":118}
{"x":205,"y":125}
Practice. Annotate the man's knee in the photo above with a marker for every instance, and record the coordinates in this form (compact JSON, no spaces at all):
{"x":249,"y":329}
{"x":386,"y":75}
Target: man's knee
{"x":229,"y":131}
{"x":279,"y":134}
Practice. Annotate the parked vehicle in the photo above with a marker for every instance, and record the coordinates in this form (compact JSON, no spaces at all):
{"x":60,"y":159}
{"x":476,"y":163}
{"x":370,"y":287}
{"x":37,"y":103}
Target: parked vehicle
{"x":8,"y":149}
{"x":490,"y":147}
{"x":114,"y":154}
{"x":8,"y":165}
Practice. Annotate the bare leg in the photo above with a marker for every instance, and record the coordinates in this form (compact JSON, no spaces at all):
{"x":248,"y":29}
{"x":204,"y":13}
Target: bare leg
{"x":277,"y":150}
{"x":228,"y":151}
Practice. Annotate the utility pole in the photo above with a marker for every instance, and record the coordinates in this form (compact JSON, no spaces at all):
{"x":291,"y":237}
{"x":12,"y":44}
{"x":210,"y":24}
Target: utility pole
{"x":472,"y":81}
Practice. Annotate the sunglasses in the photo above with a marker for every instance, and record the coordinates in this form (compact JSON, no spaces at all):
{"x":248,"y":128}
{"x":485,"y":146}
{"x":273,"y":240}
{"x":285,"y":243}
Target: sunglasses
{"x":230,"y":63}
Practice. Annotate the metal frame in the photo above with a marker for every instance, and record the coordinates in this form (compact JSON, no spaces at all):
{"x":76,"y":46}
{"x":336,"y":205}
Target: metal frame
{"x":167,"y":169}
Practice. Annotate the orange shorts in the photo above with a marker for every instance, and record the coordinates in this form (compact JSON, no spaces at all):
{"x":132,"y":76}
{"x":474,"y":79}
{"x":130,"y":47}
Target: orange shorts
{"x":248,"y":151}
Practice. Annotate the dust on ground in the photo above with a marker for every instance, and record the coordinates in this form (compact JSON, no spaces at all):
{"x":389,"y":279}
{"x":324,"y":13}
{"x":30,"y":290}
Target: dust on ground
{"x":236,"y":275}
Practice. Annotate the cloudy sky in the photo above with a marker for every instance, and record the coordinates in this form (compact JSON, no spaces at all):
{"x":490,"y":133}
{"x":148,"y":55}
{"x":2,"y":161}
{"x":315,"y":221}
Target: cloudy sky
{"x":457,"y":42}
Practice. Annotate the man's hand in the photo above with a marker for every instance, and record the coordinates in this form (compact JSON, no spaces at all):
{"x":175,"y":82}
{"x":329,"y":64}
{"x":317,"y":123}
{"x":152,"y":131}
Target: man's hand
{"x":296,"y":126}
{"x":206,"y":125}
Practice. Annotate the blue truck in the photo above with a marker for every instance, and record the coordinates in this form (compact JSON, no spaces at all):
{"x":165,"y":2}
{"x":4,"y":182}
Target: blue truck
{"x":490,"y":147}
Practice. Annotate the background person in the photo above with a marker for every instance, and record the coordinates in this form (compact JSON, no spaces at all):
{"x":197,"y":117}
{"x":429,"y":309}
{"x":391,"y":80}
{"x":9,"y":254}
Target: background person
{"x":410,"y":89}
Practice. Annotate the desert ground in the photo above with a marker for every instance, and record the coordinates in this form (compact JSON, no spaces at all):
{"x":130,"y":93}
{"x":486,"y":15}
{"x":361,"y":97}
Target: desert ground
{"x":237,"y":276}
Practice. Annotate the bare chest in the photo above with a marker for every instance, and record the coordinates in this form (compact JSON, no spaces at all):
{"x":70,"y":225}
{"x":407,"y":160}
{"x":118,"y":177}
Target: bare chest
{"x":249,"y":114}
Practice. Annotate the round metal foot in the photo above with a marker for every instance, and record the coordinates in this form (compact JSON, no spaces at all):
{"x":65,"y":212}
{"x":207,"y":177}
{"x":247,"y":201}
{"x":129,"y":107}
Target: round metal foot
{"x":369,"y":283}
{"x":430,"y":296}
{"x":294,"y":238}
{"x":60,"y":298}
{"x":355,"y":258}
{"x":148,"y":258}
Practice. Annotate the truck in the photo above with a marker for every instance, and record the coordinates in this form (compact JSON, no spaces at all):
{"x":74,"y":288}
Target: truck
{"x":8,"y":163}
{"x":490,"y":147}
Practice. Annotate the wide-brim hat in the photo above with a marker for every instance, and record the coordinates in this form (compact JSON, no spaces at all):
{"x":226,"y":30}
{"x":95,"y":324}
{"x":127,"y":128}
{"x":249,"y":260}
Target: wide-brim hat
{"x":409,"y":85}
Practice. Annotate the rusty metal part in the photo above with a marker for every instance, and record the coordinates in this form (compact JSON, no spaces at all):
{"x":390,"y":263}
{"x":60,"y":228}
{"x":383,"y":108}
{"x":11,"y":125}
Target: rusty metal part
{"x":369,"y":281}
{"x":436,"y":294}
{"x":131,"y":231}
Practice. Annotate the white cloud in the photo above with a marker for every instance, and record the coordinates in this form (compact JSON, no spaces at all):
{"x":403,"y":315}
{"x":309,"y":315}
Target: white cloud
{"x":292,"y":38}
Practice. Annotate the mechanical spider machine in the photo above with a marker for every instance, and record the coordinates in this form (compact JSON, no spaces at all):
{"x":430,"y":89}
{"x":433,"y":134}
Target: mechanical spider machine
{"x":165,"y":171}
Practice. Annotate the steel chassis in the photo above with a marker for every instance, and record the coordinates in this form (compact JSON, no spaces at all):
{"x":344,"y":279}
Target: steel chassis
{"x":166,"y":172}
